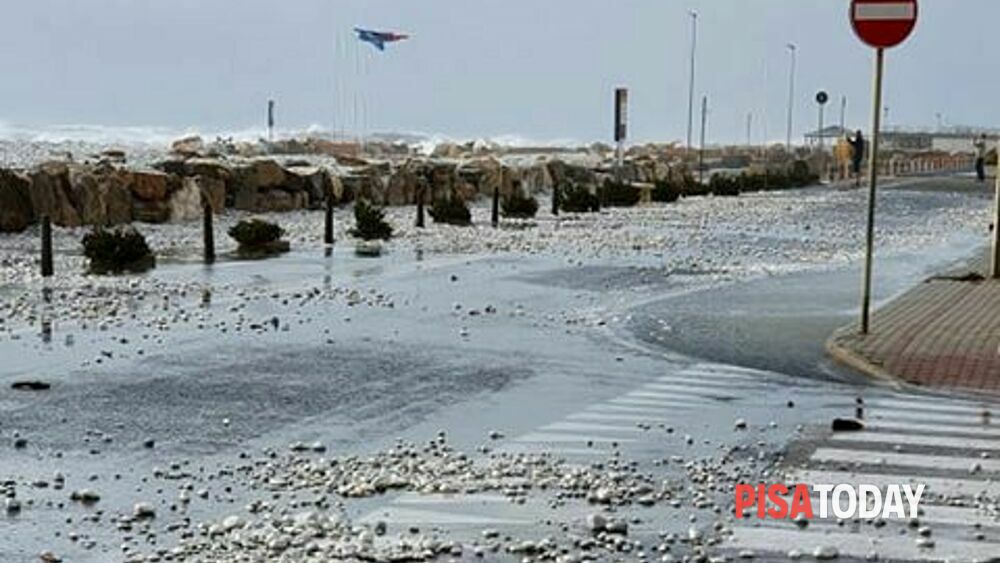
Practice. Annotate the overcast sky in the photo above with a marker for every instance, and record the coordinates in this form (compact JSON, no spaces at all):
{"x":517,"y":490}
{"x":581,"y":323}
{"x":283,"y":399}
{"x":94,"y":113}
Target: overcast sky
{"x":540,"y":69}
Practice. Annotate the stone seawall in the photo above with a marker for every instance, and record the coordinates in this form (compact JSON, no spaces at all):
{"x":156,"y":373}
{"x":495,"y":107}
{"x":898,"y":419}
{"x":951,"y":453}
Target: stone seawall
{"x":109,"y":192}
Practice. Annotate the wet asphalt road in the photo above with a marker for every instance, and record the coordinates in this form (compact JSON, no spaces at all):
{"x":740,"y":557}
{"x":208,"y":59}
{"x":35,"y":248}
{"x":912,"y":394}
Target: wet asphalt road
{"x":561,"y":340}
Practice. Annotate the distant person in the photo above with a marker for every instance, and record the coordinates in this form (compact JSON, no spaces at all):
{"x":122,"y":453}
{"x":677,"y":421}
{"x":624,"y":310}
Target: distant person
{"x":980,"y":145}
{"x":857,"y":155}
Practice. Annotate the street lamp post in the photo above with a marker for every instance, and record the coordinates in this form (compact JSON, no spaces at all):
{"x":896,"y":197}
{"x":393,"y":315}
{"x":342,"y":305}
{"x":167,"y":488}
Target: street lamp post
{"x":701,"y":150}
{"x":792,"y":49}
{"x":694,"y":47}
{"x":843,"y":114}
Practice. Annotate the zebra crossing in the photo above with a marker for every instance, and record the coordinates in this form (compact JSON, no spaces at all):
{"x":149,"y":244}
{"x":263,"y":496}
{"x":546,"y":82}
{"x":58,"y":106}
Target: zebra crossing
{"x":945,"y":443}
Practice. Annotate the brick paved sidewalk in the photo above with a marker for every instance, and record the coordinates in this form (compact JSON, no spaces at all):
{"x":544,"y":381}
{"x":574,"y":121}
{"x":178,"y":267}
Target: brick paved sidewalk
{"x":943,"y":333}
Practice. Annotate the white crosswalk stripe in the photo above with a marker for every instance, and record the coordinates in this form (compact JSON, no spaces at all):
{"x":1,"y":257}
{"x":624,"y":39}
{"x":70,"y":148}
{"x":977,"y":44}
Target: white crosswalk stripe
{"x":930,"y":429}
{"x":543,"y":437}
{"x":626,"y":408}
{"x":888,"y":547}
{"x":895,"y":438}
{"x":950,"y":486}
{"x":681,"y":395}
{"x":970,"y":420}
{"x":652,"y":402}
{"x":617,"y":417}
{"x":869,"y":457}
{"x":932,"y":404}
{"x":585,"y":427}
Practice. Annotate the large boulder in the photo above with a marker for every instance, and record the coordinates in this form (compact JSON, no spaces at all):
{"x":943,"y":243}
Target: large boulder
{"x":16,"y":213}
{"x":150,"y":185}
{"x":185,"y":203}
{"x":568,"y":176}
{"x":208,"y":167}
{"x":103,"y":195}
{"x":315,"y":181}
{"x":536,"y":179}
{"x":401,"y":188}
{"x":252,"y":180}
{"x":51,"y":194}
{"x":444,"y":182}
{"x":447,"y":150}
{"x":281,"y":200}
{"x":209,"y":189}
{"x":486,"y":174}
{"x":259,"y":174}
{"x":188,"y":146}
{"x":404,"y":183}
{"x":151,"y":211}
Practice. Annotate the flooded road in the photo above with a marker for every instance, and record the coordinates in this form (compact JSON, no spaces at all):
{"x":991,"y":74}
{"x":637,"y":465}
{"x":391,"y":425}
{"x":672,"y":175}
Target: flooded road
{"x":529,"y":392}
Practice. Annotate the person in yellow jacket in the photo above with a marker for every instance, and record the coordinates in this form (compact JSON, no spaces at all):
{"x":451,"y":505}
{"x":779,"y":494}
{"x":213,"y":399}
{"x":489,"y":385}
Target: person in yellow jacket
{"x":843,"y":152}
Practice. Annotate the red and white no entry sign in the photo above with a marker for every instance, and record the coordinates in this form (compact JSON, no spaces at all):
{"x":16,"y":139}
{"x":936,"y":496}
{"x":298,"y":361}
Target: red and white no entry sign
{"x":883,"y":23}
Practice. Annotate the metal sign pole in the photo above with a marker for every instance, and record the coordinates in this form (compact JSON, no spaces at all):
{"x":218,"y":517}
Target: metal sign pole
{"x":995,"y":263}
{"x":872,"y":185}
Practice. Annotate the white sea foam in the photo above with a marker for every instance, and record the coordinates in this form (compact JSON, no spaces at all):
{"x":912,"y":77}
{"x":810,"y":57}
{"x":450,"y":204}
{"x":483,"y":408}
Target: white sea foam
{"x":162,"y":135}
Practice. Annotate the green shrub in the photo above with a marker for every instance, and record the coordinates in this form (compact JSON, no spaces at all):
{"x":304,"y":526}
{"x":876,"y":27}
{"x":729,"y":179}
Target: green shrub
{"x":517,"y":206}
{"x":118,"y":250}
{"x":575,"y":198}
{"x":692,"y":187}
{"x":801,"y":176}
{"x":619,"y":194}
{"x":370,"y":223}
{"x":724,"y":185}
{"x":256,"y":232}
{"x":751,"y":182}
{"x":452,"y":211}
{"x":667,"y":191}
{"x":779,"y":180}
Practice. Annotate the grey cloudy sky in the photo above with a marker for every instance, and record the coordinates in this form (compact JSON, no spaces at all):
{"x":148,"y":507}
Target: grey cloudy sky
{"x":541,"y":69}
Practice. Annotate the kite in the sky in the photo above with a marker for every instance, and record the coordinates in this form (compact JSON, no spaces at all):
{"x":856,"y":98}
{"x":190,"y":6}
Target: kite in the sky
{"x":378,"y":39}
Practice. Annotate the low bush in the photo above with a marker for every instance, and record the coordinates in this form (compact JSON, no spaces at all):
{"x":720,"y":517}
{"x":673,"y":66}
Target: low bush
{"x":724,"y":185}
{"x":801,"y":176}
{"x":667,"y":191}
{"x":619,"y":194}
{"x":777,"y":179}
{"x":116,"y":251}
{"x":692,"y":187}
{"x":370,"y":223}
{"x":256,"y":232}
{"x":452,"y":211}
{"x":517,"y":206}
{"x":577,"y":199}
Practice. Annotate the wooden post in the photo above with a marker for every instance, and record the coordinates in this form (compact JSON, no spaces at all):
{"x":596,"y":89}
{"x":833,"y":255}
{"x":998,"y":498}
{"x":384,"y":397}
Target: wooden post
{"x":208,"y":230}
{"x":421,"y":190}
{"x":47,"y":269}
{"x":328,"y":219}
{"x":495,"y":214}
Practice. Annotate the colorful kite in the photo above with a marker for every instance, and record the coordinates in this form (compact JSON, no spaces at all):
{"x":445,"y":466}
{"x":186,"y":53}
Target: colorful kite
{"x":379,"y":38}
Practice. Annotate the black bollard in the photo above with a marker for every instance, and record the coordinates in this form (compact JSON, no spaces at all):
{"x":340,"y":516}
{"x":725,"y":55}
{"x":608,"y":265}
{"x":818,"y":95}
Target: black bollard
{"x":420,"y":207}
{"x":208,"y":232}
{"x":495,"y":215}
{"x":555,"y":200}
{"x":328,"y":226}
{"x":47,"y":269}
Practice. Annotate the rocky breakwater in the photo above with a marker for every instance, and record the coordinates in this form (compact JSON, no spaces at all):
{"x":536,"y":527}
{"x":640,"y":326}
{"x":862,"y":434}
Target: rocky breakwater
{"x":109,"y":192}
